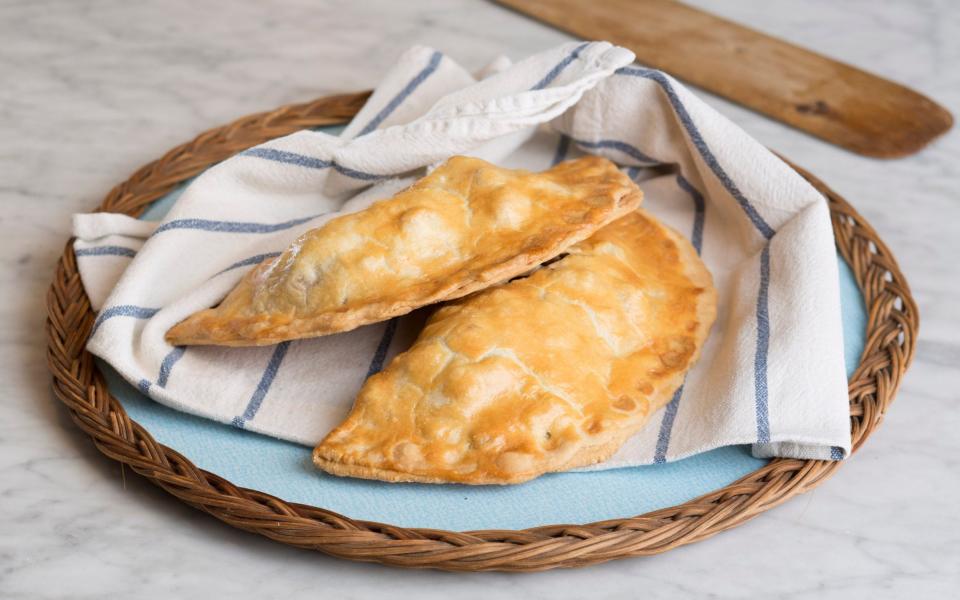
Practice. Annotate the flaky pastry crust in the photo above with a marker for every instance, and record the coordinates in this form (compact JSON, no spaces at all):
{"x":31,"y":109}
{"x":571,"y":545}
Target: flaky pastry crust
{"x":464,"y":227}
{"x":545,"y":373}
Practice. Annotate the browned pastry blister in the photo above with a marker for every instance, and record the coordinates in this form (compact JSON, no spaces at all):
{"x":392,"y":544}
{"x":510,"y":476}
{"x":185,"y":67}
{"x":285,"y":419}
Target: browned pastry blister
{"x":465,"y":226}
{"x":545,"y":373}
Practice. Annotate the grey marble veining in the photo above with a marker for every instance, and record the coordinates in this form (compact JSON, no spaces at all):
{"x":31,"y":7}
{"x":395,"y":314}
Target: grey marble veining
{"x":92,"y":89}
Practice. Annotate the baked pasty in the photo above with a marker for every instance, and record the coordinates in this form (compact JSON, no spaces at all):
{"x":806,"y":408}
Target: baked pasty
{"x":544,"y":373}
{"x":465,"y":226}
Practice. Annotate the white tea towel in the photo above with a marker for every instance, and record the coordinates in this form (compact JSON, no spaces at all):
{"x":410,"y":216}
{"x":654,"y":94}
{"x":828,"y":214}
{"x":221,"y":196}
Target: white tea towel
{"x":771,"y":374}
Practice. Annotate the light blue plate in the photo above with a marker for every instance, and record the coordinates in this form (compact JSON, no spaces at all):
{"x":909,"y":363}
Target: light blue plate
{"x":284,"y":469}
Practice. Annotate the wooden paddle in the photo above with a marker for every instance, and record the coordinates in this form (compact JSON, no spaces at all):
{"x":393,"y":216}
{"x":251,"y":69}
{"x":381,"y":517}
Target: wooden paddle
{"x":833,"y":101}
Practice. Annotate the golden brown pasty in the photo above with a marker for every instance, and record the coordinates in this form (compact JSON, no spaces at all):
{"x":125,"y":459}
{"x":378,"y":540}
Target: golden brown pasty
{"x":545,"y":373}
{"x":466,"y":226}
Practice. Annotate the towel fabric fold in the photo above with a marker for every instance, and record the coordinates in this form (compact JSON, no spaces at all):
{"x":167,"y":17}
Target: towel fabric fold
{"x":771,"y":374}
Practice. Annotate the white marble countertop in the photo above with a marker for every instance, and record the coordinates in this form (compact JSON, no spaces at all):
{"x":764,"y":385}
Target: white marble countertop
{"x":91,"y":90}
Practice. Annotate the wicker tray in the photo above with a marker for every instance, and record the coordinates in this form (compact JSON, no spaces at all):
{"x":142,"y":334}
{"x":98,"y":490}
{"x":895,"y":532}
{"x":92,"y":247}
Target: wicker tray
{"x":890,"y":340}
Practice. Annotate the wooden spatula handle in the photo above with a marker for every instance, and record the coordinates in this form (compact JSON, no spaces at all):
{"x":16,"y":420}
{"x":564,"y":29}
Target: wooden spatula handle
{"x":831,"y":100}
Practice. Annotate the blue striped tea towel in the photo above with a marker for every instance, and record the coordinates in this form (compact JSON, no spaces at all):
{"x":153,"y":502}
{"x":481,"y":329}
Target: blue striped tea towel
{"x":771,"y":374}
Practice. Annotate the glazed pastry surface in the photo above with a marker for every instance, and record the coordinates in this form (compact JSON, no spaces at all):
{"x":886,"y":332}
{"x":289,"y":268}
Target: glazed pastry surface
{"x":464,"y":227}
{"x":545,"y":373}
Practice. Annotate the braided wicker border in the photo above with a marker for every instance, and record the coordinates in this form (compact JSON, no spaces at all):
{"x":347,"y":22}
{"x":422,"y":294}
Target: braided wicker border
{"x":891,"y":336}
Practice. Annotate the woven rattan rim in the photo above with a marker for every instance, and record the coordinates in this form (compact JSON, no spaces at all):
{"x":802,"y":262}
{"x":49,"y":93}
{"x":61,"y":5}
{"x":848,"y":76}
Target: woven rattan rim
{"x":891,"y":337}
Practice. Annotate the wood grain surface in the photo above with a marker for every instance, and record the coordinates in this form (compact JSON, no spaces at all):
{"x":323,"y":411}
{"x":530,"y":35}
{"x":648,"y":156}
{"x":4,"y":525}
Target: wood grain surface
{"x":831,"y":100}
